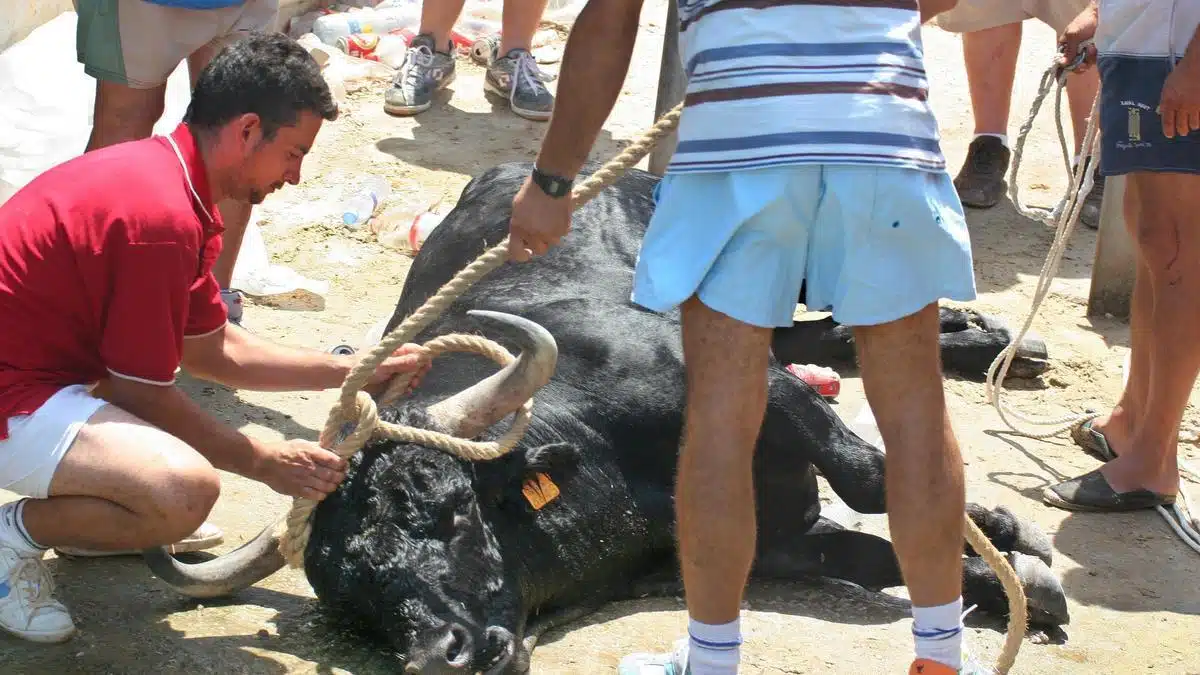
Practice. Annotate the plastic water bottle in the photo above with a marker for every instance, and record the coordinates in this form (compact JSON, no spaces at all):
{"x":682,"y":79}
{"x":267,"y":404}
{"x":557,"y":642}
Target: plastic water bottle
{"x":362,"y":204}
{"x":378,"y":21}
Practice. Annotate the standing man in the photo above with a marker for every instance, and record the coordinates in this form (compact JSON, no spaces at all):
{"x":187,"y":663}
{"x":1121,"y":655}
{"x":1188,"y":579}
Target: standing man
{"x":106,"y":289}
{"x":429,"y":63}
{"x":991,"y":37}
{"x":1149,"y":63}
{"x":131,"y":47}
{"x":807,"y":152}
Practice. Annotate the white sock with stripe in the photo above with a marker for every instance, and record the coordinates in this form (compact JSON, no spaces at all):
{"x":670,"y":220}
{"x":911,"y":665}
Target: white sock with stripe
{"x":714,"y":649}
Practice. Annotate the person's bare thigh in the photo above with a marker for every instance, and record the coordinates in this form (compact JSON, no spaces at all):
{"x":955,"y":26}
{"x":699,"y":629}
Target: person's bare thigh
{"x":120,"y":458}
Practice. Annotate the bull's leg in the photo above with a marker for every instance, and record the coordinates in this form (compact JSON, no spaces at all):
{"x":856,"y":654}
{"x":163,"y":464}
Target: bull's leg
{"x":870,"y":561}
{"x":969,"y":343}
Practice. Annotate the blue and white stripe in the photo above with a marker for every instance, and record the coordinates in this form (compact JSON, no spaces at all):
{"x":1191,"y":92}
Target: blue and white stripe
{"x":778,"y":82}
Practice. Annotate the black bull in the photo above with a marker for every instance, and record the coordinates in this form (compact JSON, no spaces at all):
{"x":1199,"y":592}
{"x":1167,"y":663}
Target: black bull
{"x":446,"y":561}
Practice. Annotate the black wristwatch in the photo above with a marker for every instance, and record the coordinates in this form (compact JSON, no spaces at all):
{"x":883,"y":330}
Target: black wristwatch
{"x":555,"y":186}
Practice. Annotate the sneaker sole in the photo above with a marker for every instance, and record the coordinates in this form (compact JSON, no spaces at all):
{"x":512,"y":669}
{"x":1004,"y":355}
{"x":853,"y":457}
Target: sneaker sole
{"x":44,"y":638}
{"x":409,"y":110}
{"x":535,"y":115}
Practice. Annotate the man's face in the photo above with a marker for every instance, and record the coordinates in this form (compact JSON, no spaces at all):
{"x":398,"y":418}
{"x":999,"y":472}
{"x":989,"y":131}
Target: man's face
{"x":266,"y":164}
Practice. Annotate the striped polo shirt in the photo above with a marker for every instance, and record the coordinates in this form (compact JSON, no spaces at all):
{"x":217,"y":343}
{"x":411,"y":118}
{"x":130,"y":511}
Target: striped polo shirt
{"x":784,"y":82}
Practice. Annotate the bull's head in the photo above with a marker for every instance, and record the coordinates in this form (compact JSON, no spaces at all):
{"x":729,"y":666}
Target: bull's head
{"x":410,"y":544}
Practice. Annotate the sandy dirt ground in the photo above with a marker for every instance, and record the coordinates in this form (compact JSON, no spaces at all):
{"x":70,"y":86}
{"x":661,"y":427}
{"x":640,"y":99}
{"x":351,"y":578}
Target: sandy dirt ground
{"x":1130,"y":582}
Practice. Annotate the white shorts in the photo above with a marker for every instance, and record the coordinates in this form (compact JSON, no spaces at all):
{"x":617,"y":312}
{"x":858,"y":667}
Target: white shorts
{"x":37,"y":443}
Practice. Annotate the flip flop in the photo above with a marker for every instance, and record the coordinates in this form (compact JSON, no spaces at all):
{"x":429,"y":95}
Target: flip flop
{"x":1093,"y":442}
{"x":1092,"y":493}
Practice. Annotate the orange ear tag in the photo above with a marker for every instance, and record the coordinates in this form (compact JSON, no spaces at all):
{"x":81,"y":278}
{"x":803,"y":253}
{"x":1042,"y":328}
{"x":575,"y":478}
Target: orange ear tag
{"x":539,"y":492}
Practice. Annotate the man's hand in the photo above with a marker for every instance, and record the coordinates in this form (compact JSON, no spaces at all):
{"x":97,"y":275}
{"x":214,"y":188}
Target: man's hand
{"x":1180,"y":102}
{"x":408,"y":358}
{"x":539,"y":221}
{"x":1081,"y":29}
{"x":299,"y":468}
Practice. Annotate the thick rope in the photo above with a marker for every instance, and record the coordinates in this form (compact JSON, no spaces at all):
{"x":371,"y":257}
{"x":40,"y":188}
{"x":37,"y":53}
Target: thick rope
{"x":355,"y":403}
{"x":1064,"y":217}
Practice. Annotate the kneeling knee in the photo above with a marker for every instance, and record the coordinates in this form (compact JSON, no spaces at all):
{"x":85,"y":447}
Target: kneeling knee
{"x":185,"y":501}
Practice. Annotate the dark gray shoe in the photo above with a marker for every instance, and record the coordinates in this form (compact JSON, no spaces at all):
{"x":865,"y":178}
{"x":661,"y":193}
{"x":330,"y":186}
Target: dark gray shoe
{"x":424,"y":71}
{"x":1089,"y":213}
{"x":516,"y":76}
{"x":980,"y":182}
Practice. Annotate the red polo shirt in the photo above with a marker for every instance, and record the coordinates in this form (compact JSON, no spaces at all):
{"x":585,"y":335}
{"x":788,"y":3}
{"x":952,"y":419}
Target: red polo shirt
{"x":105,"y":267}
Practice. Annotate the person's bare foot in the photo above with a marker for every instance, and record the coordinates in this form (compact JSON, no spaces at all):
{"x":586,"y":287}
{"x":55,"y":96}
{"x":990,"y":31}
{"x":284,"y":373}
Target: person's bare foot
{"x":1142,"y":471}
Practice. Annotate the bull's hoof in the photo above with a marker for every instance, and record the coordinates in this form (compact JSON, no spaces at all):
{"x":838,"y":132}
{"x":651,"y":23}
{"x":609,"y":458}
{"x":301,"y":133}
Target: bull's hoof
{"x":1032,"y":358}
{"x":1031,"y":540}
{"x":1044,"y":594}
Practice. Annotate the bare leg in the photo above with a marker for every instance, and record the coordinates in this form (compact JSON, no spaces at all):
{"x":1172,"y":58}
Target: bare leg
{"x":1164,"y":206}
{"x":1081,"y":92}
{"x":520,"y":22}
{"x":924,"y":481}
{"x":121,"y":113}
{"x":123,"y":485}
{"x":1118,"y":426}
{"x":726,"y":400}
{"x":438,"y":17}
{"x":990,"y":58}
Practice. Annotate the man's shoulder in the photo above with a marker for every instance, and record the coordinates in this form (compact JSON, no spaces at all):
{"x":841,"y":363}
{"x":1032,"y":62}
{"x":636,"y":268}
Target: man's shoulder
{"x":135,"y":182}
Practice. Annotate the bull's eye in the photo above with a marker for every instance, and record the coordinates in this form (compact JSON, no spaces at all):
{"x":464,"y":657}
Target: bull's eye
{"x":445,"y":525}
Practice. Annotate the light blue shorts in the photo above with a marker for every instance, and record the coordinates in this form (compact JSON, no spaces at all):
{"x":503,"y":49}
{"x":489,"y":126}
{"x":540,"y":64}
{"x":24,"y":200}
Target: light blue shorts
{"x":872,"y":244}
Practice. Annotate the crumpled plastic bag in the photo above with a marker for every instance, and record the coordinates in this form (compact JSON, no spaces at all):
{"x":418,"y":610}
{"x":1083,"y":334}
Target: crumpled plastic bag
{"x":254,"y":275}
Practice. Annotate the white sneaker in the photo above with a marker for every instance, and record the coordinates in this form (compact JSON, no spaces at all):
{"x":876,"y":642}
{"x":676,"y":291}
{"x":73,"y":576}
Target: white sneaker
{"x":27,"y":606}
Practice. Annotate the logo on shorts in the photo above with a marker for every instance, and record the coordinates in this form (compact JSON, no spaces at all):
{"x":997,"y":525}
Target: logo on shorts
{"x":1133,"y":125}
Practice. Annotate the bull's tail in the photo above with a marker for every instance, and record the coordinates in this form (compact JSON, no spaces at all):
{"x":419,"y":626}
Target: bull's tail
{"x":249,"y":563}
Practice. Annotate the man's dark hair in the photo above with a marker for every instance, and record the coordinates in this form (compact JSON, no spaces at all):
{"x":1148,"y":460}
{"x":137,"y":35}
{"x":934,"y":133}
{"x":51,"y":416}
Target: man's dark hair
{"x":268,"y":74}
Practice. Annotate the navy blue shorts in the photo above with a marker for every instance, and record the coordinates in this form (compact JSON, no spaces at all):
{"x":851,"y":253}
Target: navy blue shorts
{"x":1131,"y":129}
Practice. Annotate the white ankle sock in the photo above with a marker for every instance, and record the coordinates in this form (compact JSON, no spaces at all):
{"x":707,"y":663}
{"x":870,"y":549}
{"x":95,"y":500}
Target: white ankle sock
{"x":937,"y":632}
{"x":1003,"y":137}
{"x":12,"y":529}
{"x":714,"y":649}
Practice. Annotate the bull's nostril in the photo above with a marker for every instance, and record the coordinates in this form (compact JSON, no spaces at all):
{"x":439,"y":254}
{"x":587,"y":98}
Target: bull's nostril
{"x":458,"y":646}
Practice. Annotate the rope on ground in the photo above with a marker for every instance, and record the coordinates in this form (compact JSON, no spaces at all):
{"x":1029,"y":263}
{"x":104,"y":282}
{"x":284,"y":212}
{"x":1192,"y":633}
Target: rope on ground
{"x":355,"y":404}
{"x":1064,"y":217}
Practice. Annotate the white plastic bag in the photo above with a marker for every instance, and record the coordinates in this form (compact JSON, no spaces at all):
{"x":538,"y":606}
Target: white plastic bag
{"x":46,"y":103}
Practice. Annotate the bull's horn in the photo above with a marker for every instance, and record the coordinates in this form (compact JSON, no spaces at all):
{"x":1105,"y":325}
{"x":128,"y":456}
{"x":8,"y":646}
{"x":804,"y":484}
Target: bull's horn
{"x":471,"y":411}
{"x":249,"y":563}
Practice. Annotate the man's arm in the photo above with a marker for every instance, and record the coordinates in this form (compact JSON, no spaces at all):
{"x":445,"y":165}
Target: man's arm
{"x":293,"y":468}
{"x":239,"y":359}
{"x":595,"y":62}
{"x":1179,"y":104}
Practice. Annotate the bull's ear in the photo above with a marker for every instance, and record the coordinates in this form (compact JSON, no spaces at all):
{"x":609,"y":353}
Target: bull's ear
{"x":560,"y":460}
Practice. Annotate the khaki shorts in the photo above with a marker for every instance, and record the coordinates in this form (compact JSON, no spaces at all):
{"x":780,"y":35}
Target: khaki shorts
{"x":139,"y":44}
{"x":972,"y":15}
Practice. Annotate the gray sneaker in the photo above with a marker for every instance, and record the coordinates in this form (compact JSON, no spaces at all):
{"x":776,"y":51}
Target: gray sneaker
{"x":1089,"y":213}
{"x":424,"y":71}
{"x":516,"y":76}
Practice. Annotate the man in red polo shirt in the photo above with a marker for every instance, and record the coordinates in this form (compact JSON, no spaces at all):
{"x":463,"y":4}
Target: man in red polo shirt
{"x":106,"y":289}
